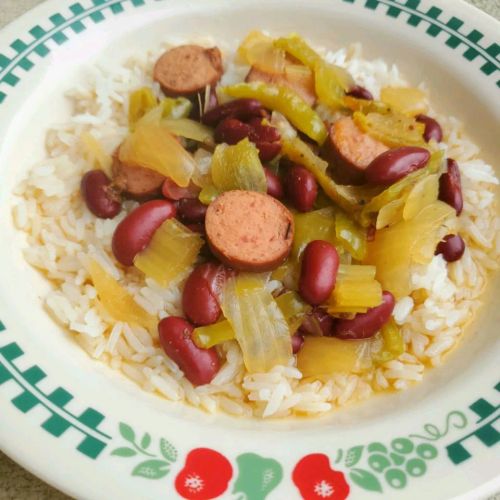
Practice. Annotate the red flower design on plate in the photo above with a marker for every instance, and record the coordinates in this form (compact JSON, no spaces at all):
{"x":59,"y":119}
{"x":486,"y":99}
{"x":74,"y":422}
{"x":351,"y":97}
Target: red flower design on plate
{"x":205,"y":475}
{"x":316,"y":480}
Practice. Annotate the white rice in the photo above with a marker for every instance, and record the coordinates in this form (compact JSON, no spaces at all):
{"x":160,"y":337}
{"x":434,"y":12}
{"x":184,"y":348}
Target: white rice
{"x":63,"y":235}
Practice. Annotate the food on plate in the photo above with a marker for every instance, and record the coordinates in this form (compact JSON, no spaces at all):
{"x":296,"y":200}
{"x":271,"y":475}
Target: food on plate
{"x":273,"y":231}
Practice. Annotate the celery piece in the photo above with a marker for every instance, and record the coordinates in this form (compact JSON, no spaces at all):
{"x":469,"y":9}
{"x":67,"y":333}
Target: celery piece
{"x":208,"y":336}
{"x":170,"y":253}
{"x":238,"y":167}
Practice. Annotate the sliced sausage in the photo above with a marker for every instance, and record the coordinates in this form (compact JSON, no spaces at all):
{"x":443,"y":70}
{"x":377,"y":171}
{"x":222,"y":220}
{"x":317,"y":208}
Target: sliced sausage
{"x":349,"y":151}
{"x":138,"y":183}
{"x":188,"y":69}
{"x":304,"y":86}
{"x":249,"y":231}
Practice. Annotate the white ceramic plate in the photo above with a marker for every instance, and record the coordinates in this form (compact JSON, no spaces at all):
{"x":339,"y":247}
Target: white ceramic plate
{"x":63,"y":416}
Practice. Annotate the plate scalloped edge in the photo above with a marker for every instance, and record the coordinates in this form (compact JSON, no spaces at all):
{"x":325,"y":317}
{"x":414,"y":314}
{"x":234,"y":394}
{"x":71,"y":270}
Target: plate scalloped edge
{"x":373,"y":467}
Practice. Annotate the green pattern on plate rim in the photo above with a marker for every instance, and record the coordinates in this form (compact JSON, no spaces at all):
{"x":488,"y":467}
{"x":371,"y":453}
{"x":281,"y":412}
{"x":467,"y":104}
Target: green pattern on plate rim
{"x":25,"y":52}
{"x":59,"y":419}
{"x":375,"y":467}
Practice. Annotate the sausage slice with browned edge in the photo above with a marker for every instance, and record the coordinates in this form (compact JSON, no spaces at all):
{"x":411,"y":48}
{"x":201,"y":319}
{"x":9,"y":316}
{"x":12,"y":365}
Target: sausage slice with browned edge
{"x":349,"y":151}
{"x":138,"y":183}
{"x":249,"y":231}
{"x":188,"y":69}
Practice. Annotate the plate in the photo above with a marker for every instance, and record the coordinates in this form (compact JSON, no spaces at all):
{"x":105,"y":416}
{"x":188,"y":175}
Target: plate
{"x":91,"y":433}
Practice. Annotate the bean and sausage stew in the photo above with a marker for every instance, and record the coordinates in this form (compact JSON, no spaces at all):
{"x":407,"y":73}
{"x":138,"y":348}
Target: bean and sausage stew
{"x":294,"y":202}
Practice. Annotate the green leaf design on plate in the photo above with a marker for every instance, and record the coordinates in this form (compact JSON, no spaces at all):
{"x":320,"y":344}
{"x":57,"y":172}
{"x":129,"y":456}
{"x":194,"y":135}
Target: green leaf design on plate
{"x":257,"y":477}
{"x":145,"y":441}
{"x":168,"y":450}
{"x":365,"y":480}
{"x":152,"y":469}
{"x":127,"y":432}
{"x":353,"y":455}
{"x":124,"y":452}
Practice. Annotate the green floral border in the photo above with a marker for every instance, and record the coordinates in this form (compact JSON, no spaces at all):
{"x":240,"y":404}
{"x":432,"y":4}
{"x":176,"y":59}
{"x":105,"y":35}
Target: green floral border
{"x":376,"y":467}
{"x":24,"y":52}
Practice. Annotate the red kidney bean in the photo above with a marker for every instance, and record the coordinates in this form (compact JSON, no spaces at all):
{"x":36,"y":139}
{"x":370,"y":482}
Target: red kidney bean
{"x":134,"y":232}
{"x":297,"y":341}
{"x":452,"y":247}
{"x":318,"y":273}
{"x":268,"y":150}
{"x":432,"y":128}
{"x":174,"y":192}
{"x":274,"y":186}
{"x":301,"y":187}
{"x":198,"y":227}
{"x":198,"y":365}
{"x":99,"y":196}
{"x":317,"y":323}
{"x":266,"y":138}
{"x":365,"y":325}
{"x":450,"y":186}
{"x":263,"y":133}
{"x":394,"y":164}
{"x":200,"y":298}
{"x":239,"y":108}
{"x":191,"y":210}
{"x":360,"y":93}
{"x":231,"y":131}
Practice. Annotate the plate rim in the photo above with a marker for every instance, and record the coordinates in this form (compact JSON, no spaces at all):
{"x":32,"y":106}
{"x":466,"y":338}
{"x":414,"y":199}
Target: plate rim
{"x":43,"y":9}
